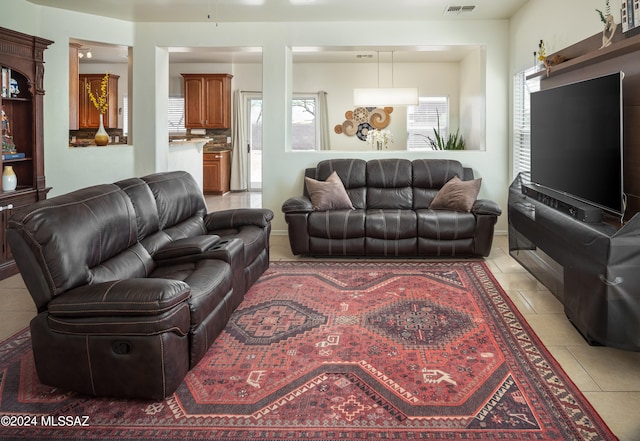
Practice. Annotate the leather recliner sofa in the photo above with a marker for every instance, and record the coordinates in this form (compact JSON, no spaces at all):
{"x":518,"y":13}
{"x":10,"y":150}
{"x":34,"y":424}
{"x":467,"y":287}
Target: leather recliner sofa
{"x":392,"y":214}
{"x":133,"y":281}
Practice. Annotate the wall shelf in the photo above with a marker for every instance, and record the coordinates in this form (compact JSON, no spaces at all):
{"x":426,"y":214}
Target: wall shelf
{"x":587,"y":53}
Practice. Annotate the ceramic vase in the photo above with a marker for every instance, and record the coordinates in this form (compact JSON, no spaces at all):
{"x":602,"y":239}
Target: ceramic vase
{"x":9,"y":179}
{"x":102,"y":137}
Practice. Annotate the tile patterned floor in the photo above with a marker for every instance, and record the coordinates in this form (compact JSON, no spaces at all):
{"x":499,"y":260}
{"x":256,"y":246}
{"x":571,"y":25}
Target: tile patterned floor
{"x":609,"y":378}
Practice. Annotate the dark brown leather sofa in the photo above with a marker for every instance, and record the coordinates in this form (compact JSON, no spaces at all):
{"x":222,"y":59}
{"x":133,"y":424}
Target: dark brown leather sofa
{"x":133,"y":281}
{"x":391,"y":215}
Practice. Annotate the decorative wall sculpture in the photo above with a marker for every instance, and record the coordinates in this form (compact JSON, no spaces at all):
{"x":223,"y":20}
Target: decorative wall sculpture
{"x":362,"y":119}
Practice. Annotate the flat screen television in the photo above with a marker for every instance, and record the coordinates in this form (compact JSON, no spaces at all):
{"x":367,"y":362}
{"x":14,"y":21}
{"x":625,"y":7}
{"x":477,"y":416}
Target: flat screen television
{"x":576,"y":141}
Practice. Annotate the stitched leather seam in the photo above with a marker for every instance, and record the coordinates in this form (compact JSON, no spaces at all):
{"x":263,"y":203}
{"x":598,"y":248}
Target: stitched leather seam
{"x":106,"y":293}
{"x":164,"y":380}
{"x":29,"y":214}
{"x":93,"y":387}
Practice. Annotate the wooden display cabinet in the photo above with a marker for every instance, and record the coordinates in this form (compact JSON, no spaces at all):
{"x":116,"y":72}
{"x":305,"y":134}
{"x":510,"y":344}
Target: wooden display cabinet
{"x":22,"y":62}
{"x":216,"y":172}
{"x":88,"y":115}
{"x":207,"y":101}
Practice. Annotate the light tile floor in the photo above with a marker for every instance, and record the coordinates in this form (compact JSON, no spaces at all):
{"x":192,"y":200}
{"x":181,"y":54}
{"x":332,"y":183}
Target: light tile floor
{"x":609,"y":378}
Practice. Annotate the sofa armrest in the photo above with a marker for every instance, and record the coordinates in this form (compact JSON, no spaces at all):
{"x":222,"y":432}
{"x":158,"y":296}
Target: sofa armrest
{"x":298,"y":204}
{"x":234,"y":218}
{"x":121,"y":298}
{"x":485,"y":206}
{"x":187,"y":246}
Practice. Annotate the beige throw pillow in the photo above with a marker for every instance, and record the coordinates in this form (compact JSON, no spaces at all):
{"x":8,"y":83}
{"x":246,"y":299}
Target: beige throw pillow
{"x":329,"y":194}
{"x":457,"y":195}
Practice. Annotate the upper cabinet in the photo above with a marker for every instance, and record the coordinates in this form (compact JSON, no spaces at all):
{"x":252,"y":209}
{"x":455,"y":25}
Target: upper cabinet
{"x":207,"y":101}
{"x":88,"y":115}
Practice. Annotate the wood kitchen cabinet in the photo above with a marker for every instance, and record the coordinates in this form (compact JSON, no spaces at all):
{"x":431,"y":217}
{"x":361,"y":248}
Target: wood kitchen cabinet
{"x":88,"y":115}
{"x":216,"y":172}
{"x":207,"y":101}
{"x":21,"y":60}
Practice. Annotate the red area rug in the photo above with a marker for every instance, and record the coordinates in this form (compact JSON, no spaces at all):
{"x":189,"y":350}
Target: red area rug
{"x":339,"y":351}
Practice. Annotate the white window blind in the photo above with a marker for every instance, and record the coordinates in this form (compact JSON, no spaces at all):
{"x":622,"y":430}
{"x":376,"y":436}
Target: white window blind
{"x":423,"y":118}
{"x":522,"y":89}
{"x":176,"y":115}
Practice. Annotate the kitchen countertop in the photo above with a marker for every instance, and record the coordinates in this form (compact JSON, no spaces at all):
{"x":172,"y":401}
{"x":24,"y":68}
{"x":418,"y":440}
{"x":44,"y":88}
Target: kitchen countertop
{"x":183,"y":141}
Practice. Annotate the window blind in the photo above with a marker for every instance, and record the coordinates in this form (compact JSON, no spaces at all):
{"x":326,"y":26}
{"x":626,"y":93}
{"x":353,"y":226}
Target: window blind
{"x":423,"y":118}
{"x":522,"y":89}
{"x":176,"y":115}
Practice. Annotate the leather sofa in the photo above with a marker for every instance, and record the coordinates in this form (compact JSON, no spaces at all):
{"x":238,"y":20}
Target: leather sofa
{"x":392,"y":213}
{"x":133,"y":281}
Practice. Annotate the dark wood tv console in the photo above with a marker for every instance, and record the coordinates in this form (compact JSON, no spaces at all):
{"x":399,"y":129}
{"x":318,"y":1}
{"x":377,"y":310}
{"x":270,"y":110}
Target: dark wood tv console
{"x":592,"y":268}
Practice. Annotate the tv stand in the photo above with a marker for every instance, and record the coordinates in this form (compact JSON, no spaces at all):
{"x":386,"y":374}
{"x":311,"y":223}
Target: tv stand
{"x":561,"y":202}
{"x":593,"y":268}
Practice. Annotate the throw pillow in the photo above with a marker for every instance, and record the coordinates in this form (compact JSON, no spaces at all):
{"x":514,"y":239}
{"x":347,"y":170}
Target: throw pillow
{"x":329,"y":194}
{"x":457,"y":195}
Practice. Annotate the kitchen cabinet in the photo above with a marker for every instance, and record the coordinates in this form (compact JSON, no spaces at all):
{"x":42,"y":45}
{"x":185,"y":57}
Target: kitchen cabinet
{"x":88,"y":115}
{"x":207,"y":101}
{"x":216,"y":172}
{"x":21,"y":60}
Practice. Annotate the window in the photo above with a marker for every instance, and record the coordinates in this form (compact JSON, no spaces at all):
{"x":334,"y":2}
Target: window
{"x":522,"y":90}
{"x":430,"y":113}
{"x":304,"y":133}
{"x":176,"y":116}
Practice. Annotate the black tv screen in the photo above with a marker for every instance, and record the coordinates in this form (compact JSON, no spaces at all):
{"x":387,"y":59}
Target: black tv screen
{"x":576,"y":141}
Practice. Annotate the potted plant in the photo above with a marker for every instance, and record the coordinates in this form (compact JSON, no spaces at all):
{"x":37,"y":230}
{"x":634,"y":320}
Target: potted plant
{"x":452,"y":142}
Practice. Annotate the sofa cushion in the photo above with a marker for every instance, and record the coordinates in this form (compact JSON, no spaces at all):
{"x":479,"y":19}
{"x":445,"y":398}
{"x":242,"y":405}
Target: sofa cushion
{"x":457,"y":195}
{"x":209,"y":281}
{"x":430,"y":175}
{"x":144,"y":204}
{"x":389,"y":184}
{"x":83,"y":229}
{"x":445,"y":225}
{"x":352,"y":173}
{"x":178,"y":199}
{"x":391,"y":224}
{"x":329,"y":194}
{"x":337,"y":224}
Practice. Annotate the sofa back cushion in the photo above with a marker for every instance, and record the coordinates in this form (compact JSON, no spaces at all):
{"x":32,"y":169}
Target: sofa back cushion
{"x":353,"y":174}
{"x":389,"y":184}
{"x":179,"y":202}
{"x":59,"y":242}
{"x":144,"y":205}
{"x":429,"y":176}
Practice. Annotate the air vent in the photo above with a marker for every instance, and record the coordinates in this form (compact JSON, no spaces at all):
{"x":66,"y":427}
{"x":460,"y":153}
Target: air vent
{"x":457,"y":10}
{"x":364,"y":56}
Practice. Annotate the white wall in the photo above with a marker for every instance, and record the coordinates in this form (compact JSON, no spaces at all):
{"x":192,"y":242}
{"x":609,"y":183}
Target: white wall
{"x":68,"y":169}
{"x":558,"y":23}
{"x":473,"y":100}
{"x":282,"y":169}
{"x":569,"y":22}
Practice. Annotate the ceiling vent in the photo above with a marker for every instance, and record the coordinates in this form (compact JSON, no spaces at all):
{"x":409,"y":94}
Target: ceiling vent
{"x":457,"y":10}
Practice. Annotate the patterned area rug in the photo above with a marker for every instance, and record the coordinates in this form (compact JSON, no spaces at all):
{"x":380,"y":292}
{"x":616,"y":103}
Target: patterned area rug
{"x":338,"y":351}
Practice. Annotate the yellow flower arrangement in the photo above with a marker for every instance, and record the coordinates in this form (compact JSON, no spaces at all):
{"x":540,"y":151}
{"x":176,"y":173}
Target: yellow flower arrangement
{"x":101,"y":101}
{"x":542,"y":52}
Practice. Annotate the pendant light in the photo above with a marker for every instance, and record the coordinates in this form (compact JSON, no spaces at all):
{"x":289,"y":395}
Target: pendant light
{"x":385,"y":96}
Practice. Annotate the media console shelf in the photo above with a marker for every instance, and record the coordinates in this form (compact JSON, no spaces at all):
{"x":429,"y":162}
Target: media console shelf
{"x":592,"y":268}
